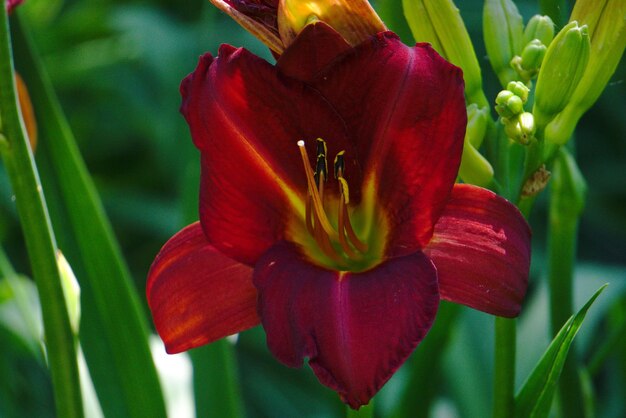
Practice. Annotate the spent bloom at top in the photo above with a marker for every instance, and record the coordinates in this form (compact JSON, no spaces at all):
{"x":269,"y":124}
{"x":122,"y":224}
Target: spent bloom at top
{"x":277,"y":22}
{"x":329,"y":211}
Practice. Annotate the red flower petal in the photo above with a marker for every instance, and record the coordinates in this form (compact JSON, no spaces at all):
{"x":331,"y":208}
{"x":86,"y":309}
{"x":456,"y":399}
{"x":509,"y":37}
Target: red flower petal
{"x":481,"y":248}
{"x":198,"y":295}
{"x":316,"y":47}
{"x":404,"y":107}
{"x":246,"y":118}
{"x":356,"y":328}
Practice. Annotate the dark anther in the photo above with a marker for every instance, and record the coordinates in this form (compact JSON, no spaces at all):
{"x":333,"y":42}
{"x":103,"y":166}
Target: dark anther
{"x":340,"y":166}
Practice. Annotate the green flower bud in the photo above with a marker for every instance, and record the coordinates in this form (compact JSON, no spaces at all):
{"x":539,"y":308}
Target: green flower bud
{"x":607,"y":28}
{"x":532,"y":55}
{"x":475,"y":169}
{"x":561,"y":71}
{"x":521,"y":128}
{"x":504,"y":97}
{"x":515,"y":105}
{"x":541,"y":28}
{"x":503,"y":32}
{"x":519,"y":89}
{"x":477,"y":119}
{"x":439,"y":23}
{"x":561,"y":128}
{"x":508,"y":104}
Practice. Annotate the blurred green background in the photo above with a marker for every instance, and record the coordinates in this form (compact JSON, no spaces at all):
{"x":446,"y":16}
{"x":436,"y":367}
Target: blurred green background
{"x":116,"y":66}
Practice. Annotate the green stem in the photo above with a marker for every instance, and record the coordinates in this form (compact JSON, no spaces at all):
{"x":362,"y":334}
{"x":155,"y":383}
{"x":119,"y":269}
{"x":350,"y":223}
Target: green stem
{"x":366,"y":411}
{"x":215,"y":381}
{"x":40,"y":241}
{"x":566,"y":207}
{"x":504,"y":376}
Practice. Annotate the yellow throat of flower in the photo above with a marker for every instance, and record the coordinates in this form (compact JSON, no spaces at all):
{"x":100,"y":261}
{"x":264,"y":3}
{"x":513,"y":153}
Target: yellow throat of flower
{"x":347,"y":242}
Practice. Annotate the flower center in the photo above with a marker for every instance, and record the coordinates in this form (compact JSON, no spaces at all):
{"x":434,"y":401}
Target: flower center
{"x":336,"y":244}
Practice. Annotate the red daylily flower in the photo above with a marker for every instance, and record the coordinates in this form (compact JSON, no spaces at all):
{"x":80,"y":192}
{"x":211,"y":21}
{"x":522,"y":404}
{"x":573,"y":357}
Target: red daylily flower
{"x":344,"y":266}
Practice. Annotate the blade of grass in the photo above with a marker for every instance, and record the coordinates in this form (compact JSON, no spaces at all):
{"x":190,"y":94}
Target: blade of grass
{"x":114,"y":333}
{"x":535,"y":397}
{"x":40,"y":240}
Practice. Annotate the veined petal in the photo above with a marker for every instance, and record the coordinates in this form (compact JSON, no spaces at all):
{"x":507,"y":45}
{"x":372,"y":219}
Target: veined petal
{"x":196,"y":294}
{"x":406,"y":112}
{"x":355,"y":328}
{"x":246,"y":118}
{"x":481,"y":248}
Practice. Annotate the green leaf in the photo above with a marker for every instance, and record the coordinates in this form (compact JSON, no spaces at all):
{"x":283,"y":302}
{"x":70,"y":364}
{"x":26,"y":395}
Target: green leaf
{"x":535,"y":397}
{"x":39,"y":237}
{"x":113,"y":332}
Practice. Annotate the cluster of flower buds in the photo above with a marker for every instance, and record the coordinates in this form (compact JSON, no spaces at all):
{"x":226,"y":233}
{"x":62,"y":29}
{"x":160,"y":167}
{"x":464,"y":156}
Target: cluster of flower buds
{"x":538,"y":35}
{"x":518,"y":124}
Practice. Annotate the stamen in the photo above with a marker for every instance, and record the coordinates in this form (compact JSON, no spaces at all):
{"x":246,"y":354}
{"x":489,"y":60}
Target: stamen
{"x":323,"y":241}
{"x":339,"y":165}
{"x":308,"y":216}
{"x":345,"y":226}
{"x":322,"y":151}
{"x":318,"y":207}
{"x":342,"y":231}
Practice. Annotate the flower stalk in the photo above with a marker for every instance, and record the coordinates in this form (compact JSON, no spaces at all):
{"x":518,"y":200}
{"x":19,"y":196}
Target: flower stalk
{"x":40,"y":240}
{"x":566,"y":206}
{"x":504,"y":366}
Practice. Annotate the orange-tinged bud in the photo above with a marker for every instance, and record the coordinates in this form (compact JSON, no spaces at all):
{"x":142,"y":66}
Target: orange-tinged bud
{"x":28,"y":114}
{"x":355,"y":20}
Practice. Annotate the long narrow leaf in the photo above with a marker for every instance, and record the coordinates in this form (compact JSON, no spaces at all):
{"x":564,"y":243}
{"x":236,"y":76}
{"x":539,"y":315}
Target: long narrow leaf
{"x":113,"y":329}
{"x":535,"y":397}
{"x":39,"y":237}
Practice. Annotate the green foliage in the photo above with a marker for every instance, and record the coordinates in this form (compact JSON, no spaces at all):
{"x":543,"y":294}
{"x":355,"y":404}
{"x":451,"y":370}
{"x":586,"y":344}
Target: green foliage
{"x":121,"y":361}
{"x":535,"y":397}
